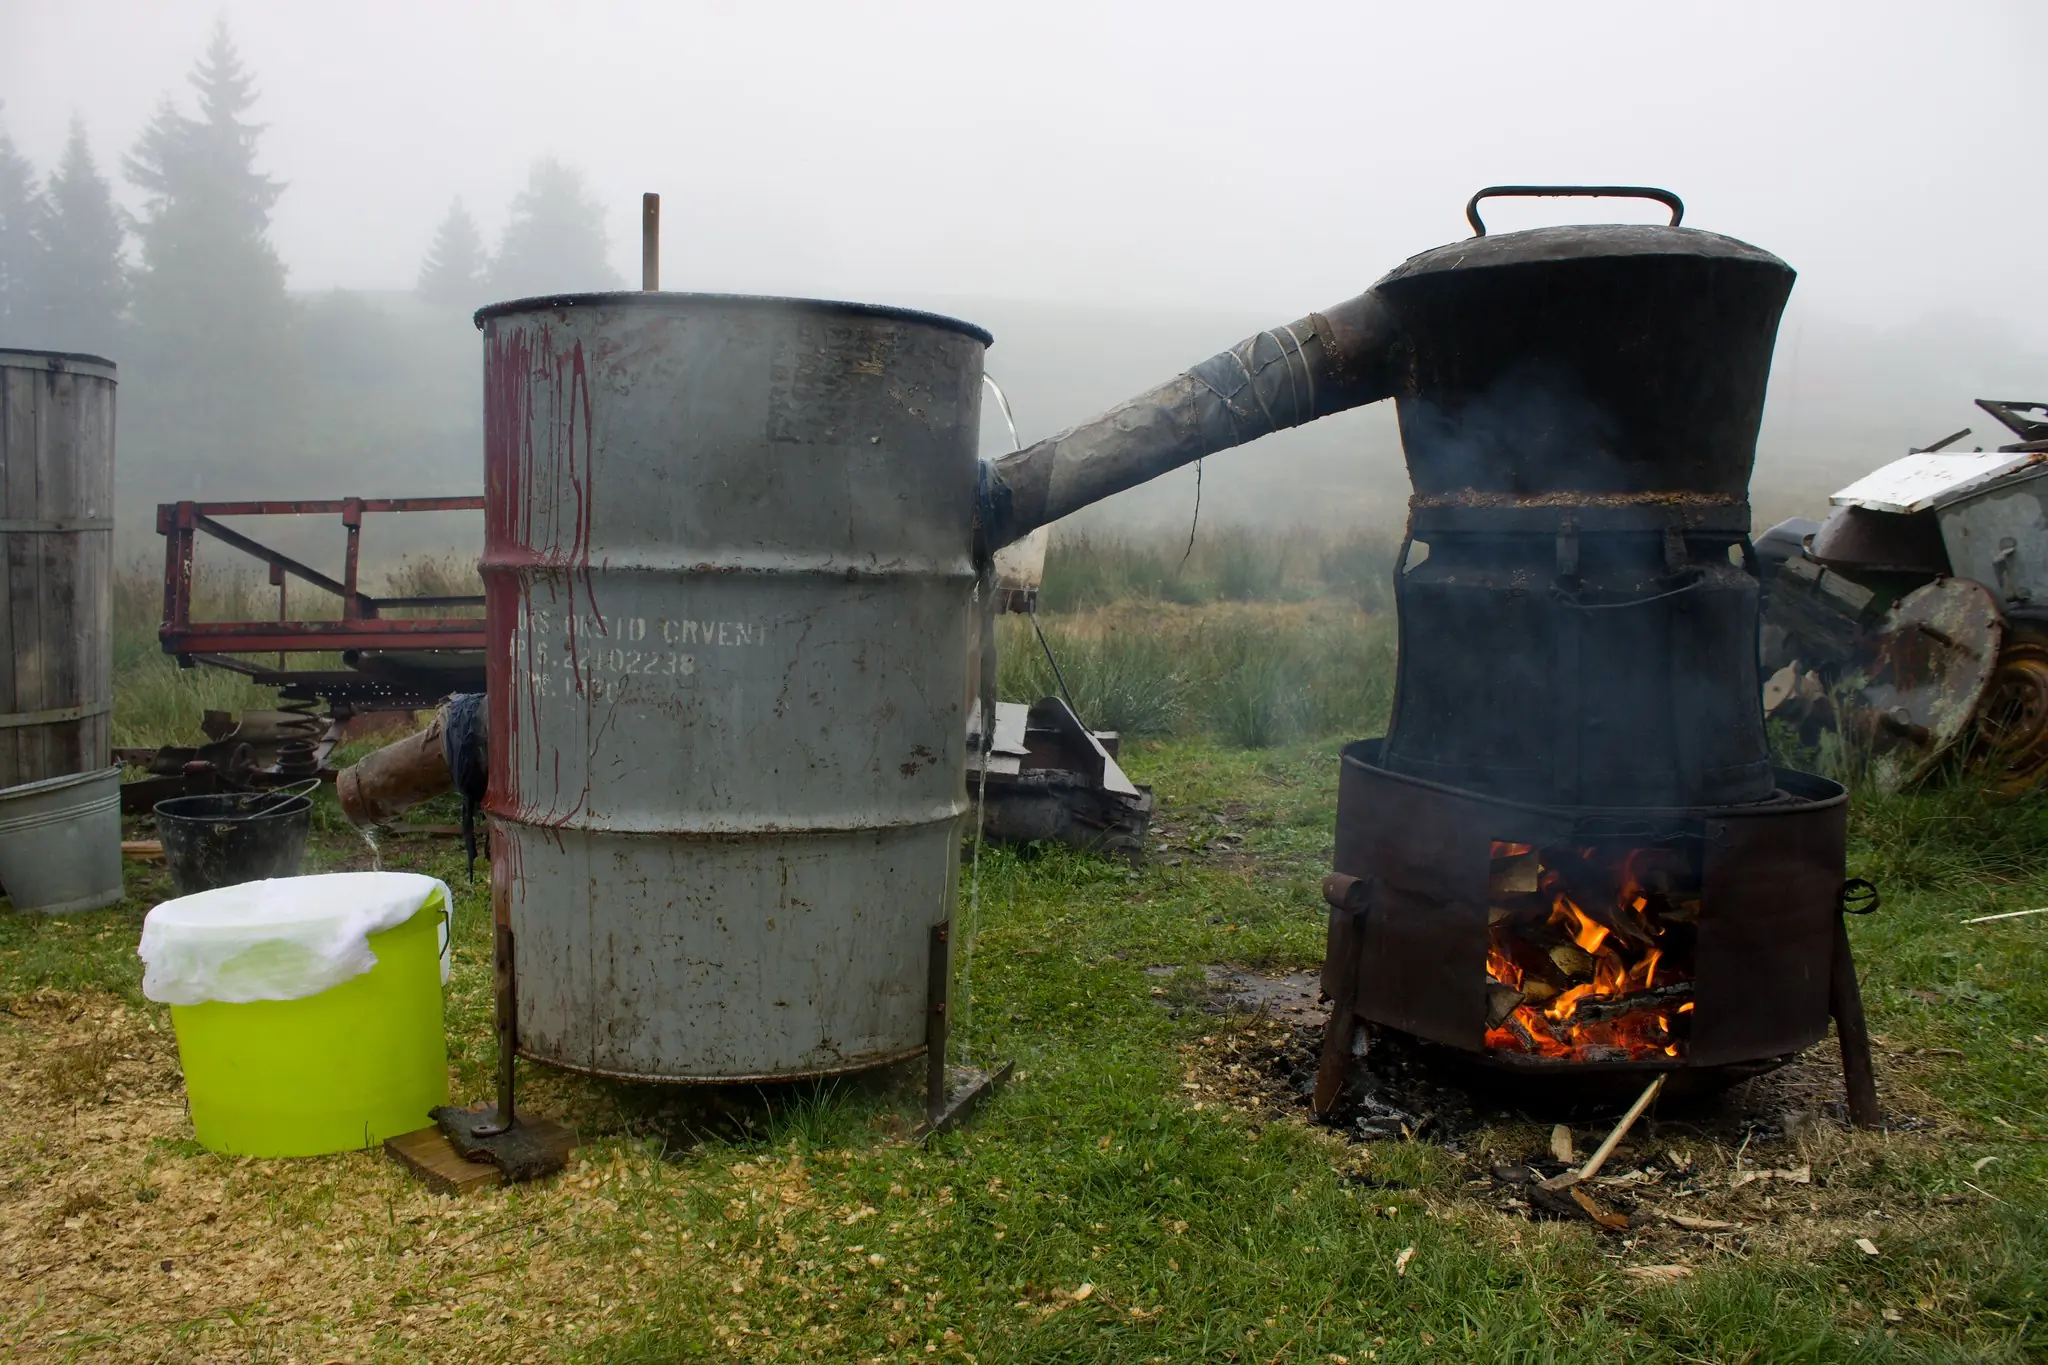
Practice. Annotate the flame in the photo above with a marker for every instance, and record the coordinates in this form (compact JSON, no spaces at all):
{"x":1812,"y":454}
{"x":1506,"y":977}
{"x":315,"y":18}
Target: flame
{"x":1547,"y":943}
{"x":1585,"y":931}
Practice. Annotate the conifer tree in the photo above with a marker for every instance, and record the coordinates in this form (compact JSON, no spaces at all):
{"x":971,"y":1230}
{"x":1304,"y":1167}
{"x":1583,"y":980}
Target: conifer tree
{"x":454,"y":272}
{"x":84,"y":288}
{"x":212,"y":327}
{"x":21,"y":211}
{"x":555,"y":239}
{"x":209,"y":274}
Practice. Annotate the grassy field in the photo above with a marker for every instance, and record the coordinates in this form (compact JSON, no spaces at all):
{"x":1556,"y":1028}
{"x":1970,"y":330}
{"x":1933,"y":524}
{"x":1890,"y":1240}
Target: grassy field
{"x":1147,"y":1189}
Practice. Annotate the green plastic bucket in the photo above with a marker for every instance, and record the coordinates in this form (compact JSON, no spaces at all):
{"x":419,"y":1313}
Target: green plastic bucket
{"x":338,"y":1070}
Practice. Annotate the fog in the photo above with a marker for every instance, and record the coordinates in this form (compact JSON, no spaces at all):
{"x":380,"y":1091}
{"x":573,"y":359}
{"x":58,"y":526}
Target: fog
{"x":1116,"y":190}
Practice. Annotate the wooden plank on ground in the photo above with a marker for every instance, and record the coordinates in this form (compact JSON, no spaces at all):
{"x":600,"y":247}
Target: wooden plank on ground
{"x":426,"y":1153}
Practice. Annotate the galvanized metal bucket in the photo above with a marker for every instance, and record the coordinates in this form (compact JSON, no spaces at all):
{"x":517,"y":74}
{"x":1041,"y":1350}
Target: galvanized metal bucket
{"x":728,"y":576}
{"x":60,"y":842}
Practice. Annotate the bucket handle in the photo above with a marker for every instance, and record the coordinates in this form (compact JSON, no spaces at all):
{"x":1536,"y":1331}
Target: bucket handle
{"x":305,"y":786}
{"x":275,"y":797}
{"x":1664,"y":197}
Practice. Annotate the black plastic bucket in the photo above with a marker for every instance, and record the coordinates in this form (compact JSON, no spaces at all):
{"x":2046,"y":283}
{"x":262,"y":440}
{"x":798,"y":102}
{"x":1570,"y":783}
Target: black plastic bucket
{"x":236,"y":837}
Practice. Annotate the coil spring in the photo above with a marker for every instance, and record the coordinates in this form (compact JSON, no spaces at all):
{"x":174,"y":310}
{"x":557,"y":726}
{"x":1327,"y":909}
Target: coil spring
{"x":307,"y":722}
{"x":297,"y":756}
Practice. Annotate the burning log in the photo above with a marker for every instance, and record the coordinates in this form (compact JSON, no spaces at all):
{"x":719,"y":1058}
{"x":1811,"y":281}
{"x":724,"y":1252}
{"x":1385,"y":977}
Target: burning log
{"x":1501,"y":1001}
{"x":1520,"y":1030}
{"x":1522,"y":961}
{"x":1595,"y":1009}
{"x":1525,"y":913}
{"x":1514,"y":873}
{"x":1575,"y":962}
{"x":1594,"y":965}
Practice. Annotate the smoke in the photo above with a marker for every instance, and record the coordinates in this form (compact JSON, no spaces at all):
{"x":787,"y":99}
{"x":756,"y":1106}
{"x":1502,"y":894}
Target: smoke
{"x":1535,"y":421}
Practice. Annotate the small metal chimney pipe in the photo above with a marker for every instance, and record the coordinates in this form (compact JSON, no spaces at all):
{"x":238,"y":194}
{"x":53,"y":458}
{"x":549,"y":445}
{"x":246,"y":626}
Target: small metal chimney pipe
{"x":650,"y":242}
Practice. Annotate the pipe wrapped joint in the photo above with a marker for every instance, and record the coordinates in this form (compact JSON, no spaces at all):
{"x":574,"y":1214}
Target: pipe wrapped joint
{"x":1324,"y":363}
{"x":450,"y":754}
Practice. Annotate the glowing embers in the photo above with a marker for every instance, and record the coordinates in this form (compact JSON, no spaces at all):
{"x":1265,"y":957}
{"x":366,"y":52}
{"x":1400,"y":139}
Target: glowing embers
{"x":1590,"y":950}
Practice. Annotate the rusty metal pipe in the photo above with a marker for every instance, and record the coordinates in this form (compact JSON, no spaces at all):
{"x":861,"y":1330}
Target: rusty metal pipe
{"x":376,"y":790}
{"x":1325,"y":363}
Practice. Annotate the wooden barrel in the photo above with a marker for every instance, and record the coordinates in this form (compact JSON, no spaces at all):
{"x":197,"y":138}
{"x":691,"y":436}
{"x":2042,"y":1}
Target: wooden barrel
{"x":56,"y":565}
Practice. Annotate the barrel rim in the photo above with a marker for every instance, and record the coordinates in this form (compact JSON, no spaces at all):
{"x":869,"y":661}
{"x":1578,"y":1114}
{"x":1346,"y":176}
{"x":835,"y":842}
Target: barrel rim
{"x":61,"y":362}
{"x":843,"y":307}
{"x":43,"y":786}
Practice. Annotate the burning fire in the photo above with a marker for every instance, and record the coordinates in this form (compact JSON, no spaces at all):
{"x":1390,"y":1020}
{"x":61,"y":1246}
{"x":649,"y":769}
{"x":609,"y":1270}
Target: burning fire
{"x":1588,"y":951}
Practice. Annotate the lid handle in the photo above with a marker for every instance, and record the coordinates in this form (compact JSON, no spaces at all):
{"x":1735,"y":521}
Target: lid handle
{"x":1664,"y":197}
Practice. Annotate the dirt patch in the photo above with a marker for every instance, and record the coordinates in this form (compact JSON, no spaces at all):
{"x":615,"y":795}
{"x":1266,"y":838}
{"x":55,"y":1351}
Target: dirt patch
{"x":1223,"y":990}
{"x":1769,"y":1164}
{"x":1203,"y":838}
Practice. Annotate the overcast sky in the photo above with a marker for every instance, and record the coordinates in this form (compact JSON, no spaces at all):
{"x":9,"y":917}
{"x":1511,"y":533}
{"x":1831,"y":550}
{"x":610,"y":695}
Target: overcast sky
{"x":1272,"y":156}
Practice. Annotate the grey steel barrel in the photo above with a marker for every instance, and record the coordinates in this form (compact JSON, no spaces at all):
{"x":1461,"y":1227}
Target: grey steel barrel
{"x":729,"y":582}
{"x":56,"y":565}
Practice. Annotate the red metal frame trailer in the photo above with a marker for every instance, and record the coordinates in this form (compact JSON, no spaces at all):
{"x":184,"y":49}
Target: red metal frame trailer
{"x":391,"y":662}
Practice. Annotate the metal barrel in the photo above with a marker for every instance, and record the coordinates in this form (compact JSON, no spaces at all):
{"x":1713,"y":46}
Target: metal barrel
{"x":56,"y":565}
{"x":728,"y":578}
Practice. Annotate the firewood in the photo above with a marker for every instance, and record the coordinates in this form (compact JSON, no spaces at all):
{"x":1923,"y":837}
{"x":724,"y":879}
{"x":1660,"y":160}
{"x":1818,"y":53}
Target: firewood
{"x":1521,"y":1033}
{"x":1606,"y":1149}
{"x":1679,"y":910}
{"x":1623,"y":924}
{"x":1525,"y":913}
{"x":1575,"y":962}
{"x":1599,"y":1213}
{"x":1514,"y":875}
{"x":1593,"y":1011}
{"x":1501,"y":1001}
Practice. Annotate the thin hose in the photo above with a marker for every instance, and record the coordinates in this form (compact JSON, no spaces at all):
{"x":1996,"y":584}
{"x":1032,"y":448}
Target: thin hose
{"x":985,"y":594}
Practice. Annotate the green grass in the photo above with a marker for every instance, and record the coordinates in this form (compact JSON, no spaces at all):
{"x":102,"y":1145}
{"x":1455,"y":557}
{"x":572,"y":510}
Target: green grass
{"x":1225,"y":564}
{"x":157,"y":702}
{"x":1231,"y":1236}
{"x":1248,"y":675}
{"x":797,"y":1223}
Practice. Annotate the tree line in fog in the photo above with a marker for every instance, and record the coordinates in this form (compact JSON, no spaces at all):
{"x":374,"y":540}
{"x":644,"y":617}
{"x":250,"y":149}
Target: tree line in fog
{"x":230,"y":384}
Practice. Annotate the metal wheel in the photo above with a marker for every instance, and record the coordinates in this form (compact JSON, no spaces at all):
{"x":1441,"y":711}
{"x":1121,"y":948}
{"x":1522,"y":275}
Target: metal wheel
{"x":2012,"y":724}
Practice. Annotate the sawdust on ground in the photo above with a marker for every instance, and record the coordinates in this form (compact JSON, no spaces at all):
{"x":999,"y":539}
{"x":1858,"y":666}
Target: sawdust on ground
{"x":121,"y":1239}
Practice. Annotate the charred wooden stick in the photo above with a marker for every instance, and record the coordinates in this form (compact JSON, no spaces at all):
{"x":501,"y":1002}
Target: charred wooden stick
{"x":2010,"y":914}
{"x":1606,"y":1149}
{"x":1845,"y":1002}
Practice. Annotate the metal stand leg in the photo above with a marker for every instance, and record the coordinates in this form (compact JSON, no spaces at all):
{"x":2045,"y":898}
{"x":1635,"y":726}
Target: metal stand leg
{"x":1845,"y":1002}
{"x":937,"y":1027}
{"x":947,"y":1106}
{"x":521,"y":1148}
{"x":507,"y":1025}
{"x":1340,"y":981}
